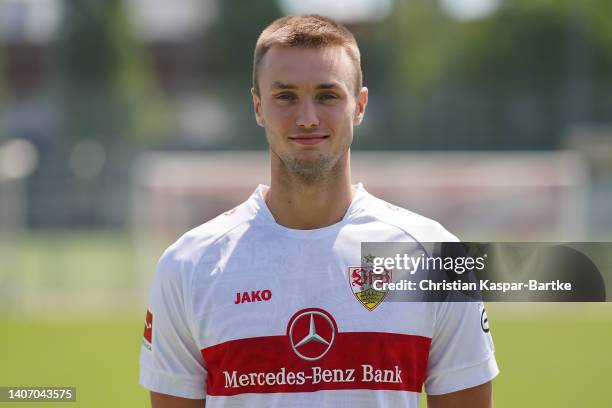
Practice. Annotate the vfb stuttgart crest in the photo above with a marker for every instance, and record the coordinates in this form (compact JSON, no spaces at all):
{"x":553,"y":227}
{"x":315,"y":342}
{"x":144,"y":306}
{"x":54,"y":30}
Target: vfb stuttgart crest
{"x":361,"y":281}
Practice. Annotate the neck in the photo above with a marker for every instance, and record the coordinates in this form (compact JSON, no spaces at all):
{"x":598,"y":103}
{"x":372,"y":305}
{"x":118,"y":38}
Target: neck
{"x":300,"y":204}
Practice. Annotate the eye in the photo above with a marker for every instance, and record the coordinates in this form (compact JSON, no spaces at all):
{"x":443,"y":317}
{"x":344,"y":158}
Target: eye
{"x":328,"y":96}
{"x":285,"y":97}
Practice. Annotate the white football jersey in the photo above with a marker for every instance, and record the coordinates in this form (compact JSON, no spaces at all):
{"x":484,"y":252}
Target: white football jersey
{"x":247,"y":313}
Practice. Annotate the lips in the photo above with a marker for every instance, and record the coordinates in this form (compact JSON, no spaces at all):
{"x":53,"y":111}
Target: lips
{"x":309,"y":138}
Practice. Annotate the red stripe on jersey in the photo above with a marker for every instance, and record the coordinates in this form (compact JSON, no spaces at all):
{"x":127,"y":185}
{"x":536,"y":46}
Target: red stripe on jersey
{"x":356,"y":360}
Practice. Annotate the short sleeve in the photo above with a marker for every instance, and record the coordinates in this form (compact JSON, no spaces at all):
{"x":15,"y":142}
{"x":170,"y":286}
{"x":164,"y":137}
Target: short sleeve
{"x":461,"y":354}
{"x":170,"y":360}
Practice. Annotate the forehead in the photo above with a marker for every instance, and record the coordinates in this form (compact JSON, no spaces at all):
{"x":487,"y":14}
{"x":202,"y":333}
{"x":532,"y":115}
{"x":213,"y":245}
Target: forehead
{"x":306,"y":67}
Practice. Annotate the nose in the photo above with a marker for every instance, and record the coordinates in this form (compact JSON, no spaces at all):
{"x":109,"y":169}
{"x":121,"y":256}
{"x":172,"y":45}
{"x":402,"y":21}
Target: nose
{"x":307,"y":115}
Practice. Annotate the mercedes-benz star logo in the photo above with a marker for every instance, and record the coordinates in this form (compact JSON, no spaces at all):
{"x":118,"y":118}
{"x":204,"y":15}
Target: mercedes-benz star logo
{"x":311,"y":333}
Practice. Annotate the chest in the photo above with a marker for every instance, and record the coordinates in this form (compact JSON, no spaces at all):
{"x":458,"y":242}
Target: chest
{"x":259,"y":300}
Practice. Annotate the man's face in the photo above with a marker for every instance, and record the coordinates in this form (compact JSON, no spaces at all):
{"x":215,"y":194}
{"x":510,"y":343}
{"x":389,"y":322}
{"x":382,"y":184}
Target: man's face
{"x":307,"y":105}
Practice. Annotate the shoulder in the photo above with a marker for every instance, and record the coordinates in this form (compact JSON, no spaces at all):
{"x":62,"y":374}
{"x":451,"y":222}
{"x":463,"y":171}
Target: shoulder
{"x":188,"y":250}
{"x":420,"y":228}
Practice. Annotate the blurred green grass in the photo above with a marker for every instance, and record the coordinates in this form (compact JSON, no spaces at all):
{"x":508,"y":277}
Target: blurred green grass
{"x":67,"y":260}
{"x":98,"y":356}
{"x":554,"y":359}
{"x":546,"y":360}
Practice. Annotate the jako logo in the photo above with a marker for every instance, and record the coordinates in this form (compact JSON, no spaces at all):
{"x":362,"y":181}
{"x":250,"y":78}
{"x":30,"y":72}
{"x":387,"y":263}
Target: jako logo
{"x":253,"y":296}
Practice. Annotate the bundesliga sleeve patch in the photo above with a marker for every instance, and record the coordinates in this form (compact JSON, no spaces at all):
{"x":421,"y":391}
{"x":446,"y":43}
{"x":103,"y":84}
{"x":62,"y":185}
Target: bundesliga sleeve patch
{"x":148,"y":331}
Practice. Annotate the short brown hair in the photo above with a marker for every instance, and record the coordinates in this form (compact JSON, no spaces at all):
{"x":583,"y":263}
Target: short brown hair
{"x":309,"y":31}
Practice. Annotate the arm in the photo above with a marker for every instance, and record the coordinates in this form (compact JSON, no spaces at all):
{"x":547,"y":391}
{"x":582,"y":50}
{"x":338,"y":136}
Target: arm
{"x":480,"y":396}
{"x":170,"y":359}
{"x":461,"y":358}
{"x":168,"y":401}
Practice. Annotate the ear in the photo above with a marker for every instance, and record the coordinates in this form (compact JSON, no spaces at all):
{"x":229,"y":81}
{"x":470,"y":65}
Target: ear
{"x":257,"y":108}
{"x":360,"y":105}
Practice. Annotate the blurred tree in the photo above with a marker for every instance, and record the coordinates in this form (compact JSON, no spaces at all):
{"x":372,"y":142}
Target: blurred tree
{"x":106,"y":99}
{"x":238,"y":27}
{"x":3,"y":125}
{"x":236,"y":31}
{"x":106,"y":87}
{"x":511,"y":81}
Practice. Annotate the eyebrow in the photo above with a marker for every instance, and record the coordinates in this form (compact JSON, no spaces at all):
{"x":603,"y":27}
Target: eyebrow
{"x":327,"y":86}
{"x":281,"y":85}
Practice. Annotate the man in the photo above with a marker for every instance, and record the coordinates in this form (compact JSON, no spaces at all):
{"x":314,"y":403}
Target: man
{"x":254,"y":308}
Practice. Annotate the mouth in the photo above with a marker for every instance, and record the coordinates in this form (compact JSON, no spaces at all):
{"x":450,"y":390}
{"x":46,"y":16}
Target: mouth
{"x":309,"y":138}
